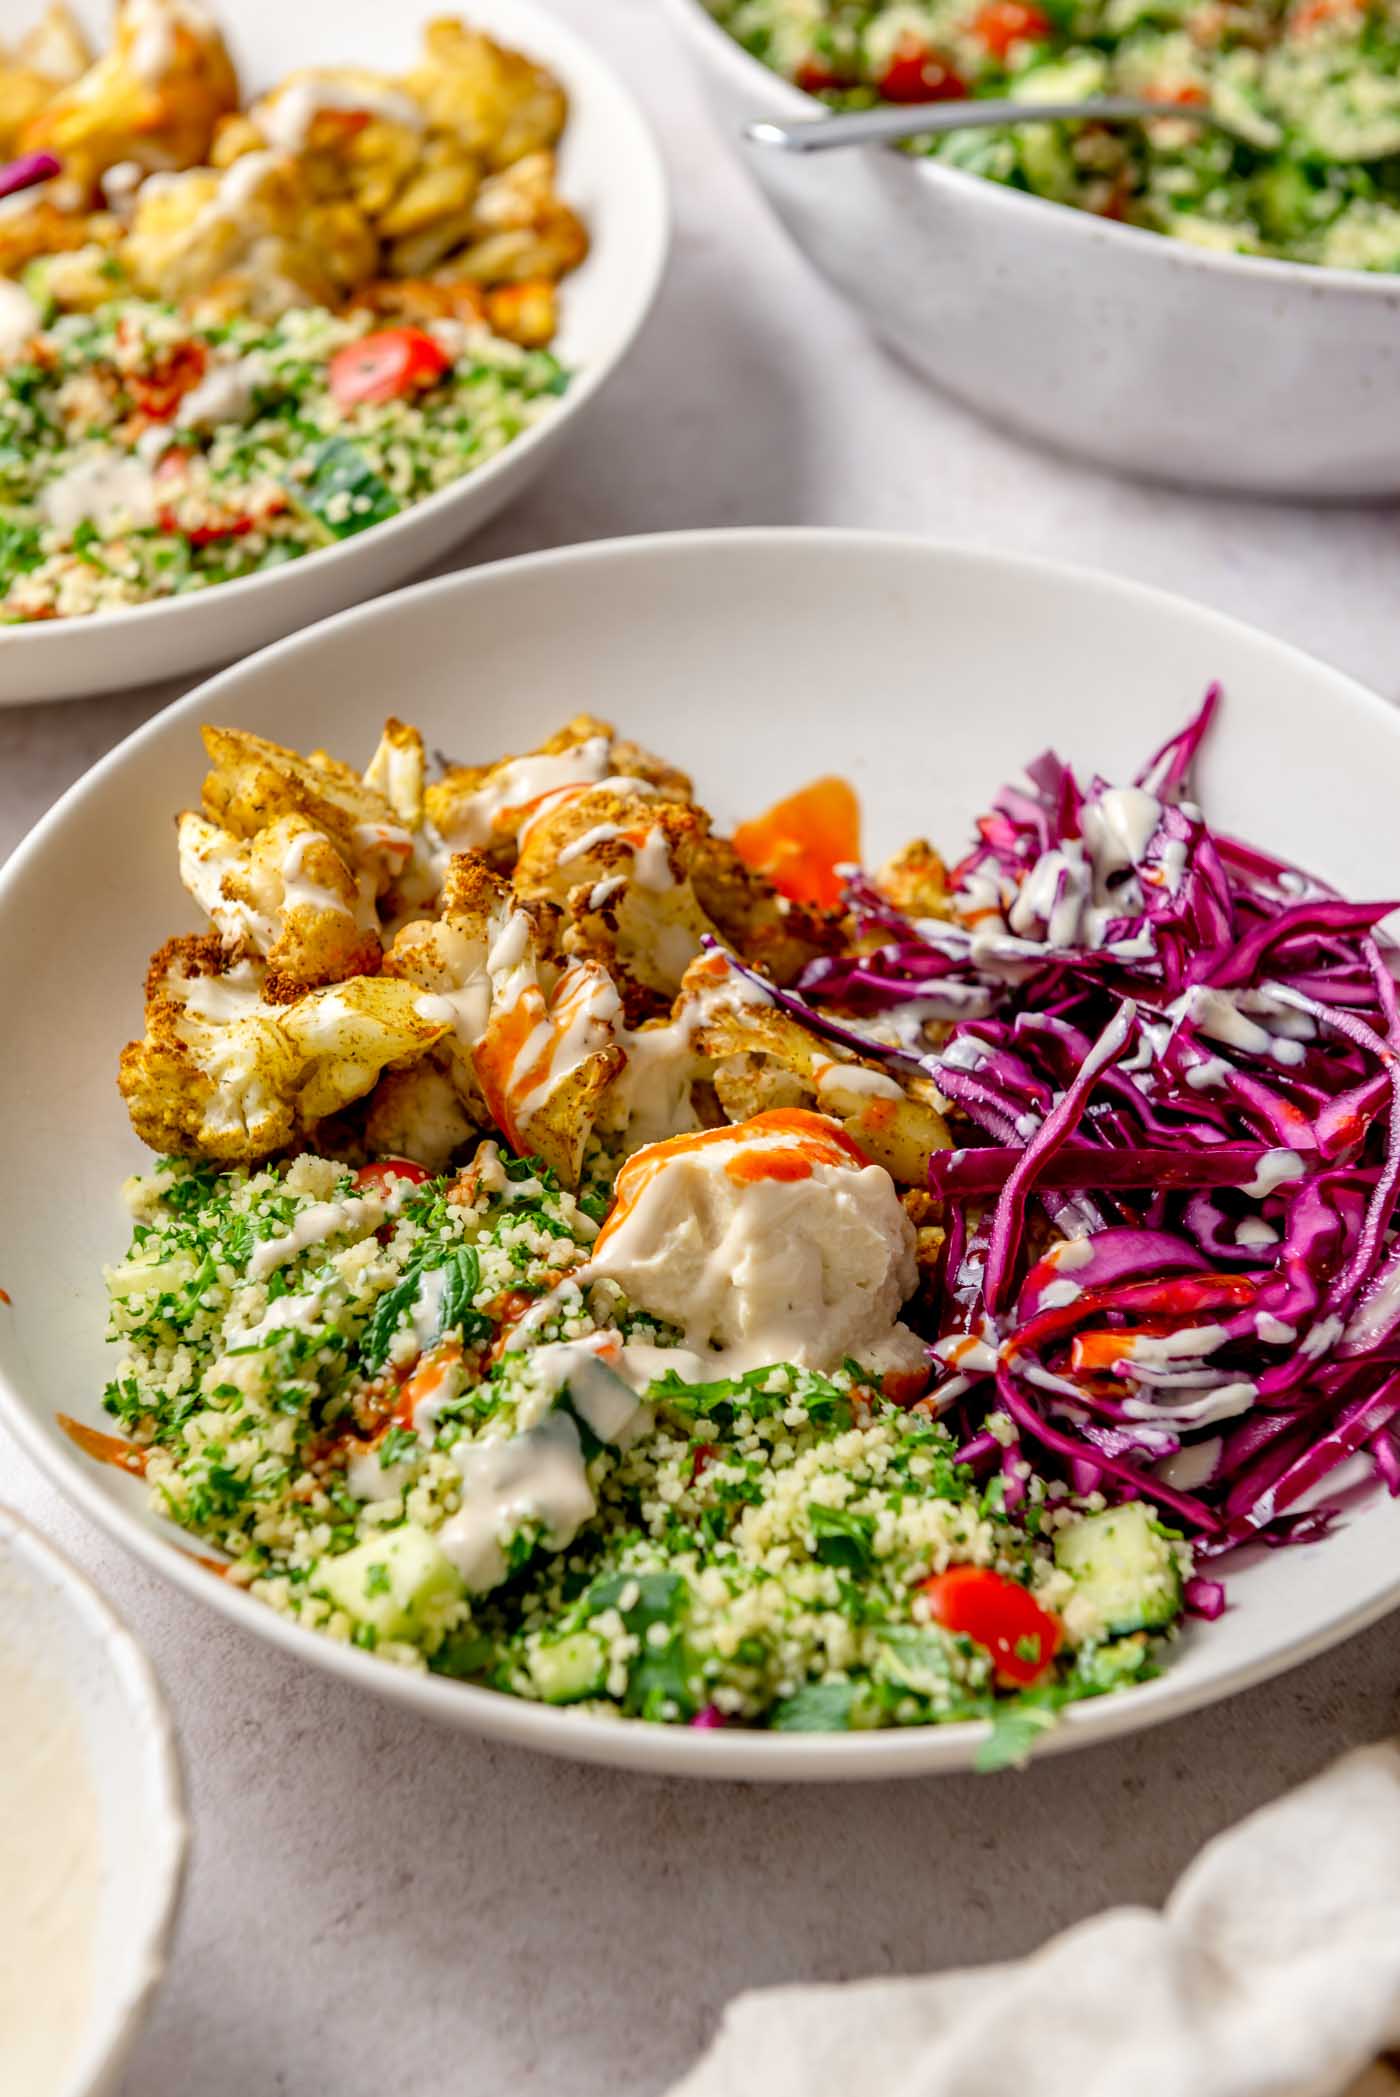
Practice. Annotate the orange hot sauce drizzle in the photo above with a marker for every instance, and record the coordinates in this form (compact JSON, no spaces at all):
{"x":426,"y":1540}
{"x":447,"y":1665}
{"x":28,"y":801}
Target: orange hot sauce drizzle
{"x":504,"y":1084}
{"x":105,"y":1448}
{"x":815,"y":1141}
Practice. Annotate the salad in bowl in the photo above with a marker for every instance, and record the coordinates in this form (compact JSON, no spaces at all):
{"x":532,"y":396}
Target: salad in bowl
{"x":688,"y":1278}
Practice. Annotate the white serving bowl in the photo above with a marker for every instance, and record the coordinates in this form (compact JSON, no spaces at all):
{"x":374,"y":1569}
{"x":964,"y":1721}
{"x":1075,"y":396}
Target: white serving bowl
{"x":1140,"y":352}
{"x":61,"y":1643}
{"x":757,"y":660}
{"x":610,"y":171}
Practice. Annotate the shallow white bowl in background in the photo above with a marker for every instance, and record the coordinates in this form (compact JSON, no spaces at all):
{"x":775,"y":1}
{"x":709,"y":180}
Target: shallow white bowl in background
{"x":60,"y":1641}
{"x":609,"y":170}
{"x":1142,"y":353}
{"x":756,"y":660}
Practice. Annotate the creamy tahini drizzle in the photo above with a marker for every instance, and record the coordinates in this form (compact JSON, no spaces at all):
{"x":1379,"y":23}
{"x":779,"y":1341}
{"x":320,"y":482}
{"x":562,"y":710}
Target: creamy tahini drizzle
{"x":519,"y":785}
{"x":286,"y":118}
{"x":50,"y":1881}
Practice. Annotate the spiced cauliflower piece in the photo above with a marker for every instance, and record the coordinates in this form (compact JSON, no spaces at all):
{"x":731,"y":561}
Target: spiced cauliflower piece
{"x":916,"y":881}
{"x":223,"y":1073}
{"x":254,"y":782}
{"x":289,"y":894}
{"x":533,"y":1045}
{"x":516,"y":228}
{"x":417,"y":1113}
{"x":484,"y":807}
{"x":398,"y":771}
{"x":32,"y":73}
{"x":247,"y":239}
{"x":618,"y":862}
{"x":152,"y":100}
{"x":762,"y":1057}
{"x":55,"y":47}
{"x":499,"y":104}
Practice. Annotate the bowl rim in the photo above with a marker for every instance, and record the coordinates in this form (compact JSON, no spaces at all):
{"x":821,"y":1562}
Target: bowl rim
{"x":696,"y":22}
{"x":585,"y":63}
{"x":109,"y":2045}
{"x":630,"y":1743}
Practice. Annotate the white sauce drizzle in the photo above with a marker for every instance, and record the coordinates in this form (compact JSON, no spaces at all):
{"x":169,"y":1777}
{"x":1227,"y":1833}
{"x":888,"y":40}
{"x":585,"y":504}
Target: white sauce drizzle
{"x":538,"y":1476}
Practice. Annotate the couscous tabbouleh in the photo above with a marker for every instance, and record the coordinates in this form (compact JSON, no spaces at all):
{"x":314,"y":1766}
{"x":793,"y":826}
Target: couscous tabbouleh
{"x":144,"y":456}
{"x":1313,"y":86}
{"x":410,"y":1419}
{"x":234,"y":330}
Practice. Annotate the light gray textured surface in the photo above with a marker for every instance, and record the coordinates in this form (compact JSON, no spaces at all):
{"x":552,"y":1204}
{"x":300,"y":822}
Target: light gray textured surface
{"x":375,"y":1906}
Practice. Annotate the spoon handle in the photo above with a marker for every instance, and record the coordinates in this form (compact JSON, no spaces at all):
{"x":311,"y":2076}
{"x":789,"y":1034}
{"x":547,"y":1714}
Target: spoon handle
{"x":865,"y":127}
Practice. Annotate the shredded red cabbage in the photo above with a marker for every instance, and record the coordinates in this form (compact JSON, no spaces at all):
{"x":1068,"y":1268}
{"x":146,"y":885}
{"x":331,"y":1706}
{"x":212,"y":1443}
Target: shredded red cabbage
{"x":24,"y":173}
{"x":1174,"y":1060}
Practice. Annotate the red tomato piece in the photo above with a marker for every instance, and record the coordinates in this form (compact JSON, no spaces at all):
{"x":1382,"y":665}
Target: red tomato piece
{"x":1002,"y":23}
{"x":973,"y":1602}
{"x":387,"y":365}
{"x":799,"y":843}
{"x":918,"y":74}
{"x":158,"y":393}
{"x":379,"y":1178}
{"x":815,"y":77}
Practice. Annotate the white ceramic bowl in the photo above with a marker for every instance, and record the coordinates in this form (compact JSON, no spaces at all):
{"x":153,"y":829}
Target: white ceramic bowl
{"x":609,"y":170}
{"x":755,"y":659}
{"x":120,"y":1817}
{"x":1140,"y":352}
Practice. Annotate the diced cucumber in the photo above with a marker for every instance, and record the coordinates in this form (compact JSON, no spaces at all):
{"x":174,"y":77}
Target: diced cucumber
{"x":1075,"y":77}
{"x":344,"y":493}
{"x":147,"y":1277}
{"x":1047,"y":160}
{"x":1124,"y":1566}
{"x":568,"y":1669}
{"x":390,"y":1581}
{"x":1284,"y":199}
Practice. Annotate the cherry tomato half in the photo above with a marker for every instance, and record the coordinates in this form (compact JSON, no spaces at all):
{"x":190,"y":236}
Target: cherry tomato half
{"x":1002,"y":23}
{"x":815,"y":77}
{"x":380,"y":1177}
{"x":386,"y":366}
{"x":799,"y":843}
{"x":973,"y":1602}
{"x":917,"y":74}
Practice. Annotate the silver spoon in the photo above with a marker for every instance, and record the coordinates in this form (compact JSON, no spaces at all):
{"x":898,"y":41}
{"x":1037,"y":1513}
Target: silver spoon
{"x":887,"y":126}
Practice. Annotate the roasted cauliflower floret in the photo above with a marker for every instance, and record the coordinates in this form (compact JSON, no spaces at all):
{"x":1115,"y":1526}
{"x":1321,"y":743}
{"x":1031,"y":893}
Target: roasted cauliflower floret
{"x":153,"y":99}
{"x":48,"y":57}
{"x":533,"y":1047}
{"x":38,"y":227}
{"x":497,"y":103}
{"x":417,"y":1113}
{"x":916,"y":881}
{"x":254,"y":782}
{"x":55,"y":47}
{"x":248,"y":239}
{"x":287,"y":893}
{"x":398,"y":770}
{"x":483,"y":807}
{"x":222,"y":1073}
{"x":517,"y":227}
{"x":619,"y":861}
{"x":765,"y":1058}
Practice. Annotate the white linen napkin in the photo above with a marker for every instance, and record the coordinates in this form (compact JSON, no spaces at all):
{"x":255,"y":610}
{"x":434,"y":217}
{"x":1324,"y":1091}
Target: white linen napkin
{"x":1273,"y":1971}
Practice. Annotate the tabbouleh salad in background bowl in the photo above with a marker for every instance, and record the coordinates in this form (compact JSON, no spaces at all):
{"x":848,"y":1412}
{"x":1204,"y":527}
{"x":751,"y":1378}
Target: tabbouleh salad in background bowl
{"x":232,"y":334}
{"x":144,"y":456}
{"x":1313,"y":84}
{"x":682,"y":1278}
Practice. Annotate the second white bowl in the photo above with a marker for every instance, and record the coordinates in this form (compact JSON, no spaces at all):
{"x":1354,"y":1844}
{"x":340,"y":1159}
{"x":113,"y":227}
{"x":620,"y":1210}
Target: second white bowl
{"x":1141,"y":353}
{"x":610,"y":171}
